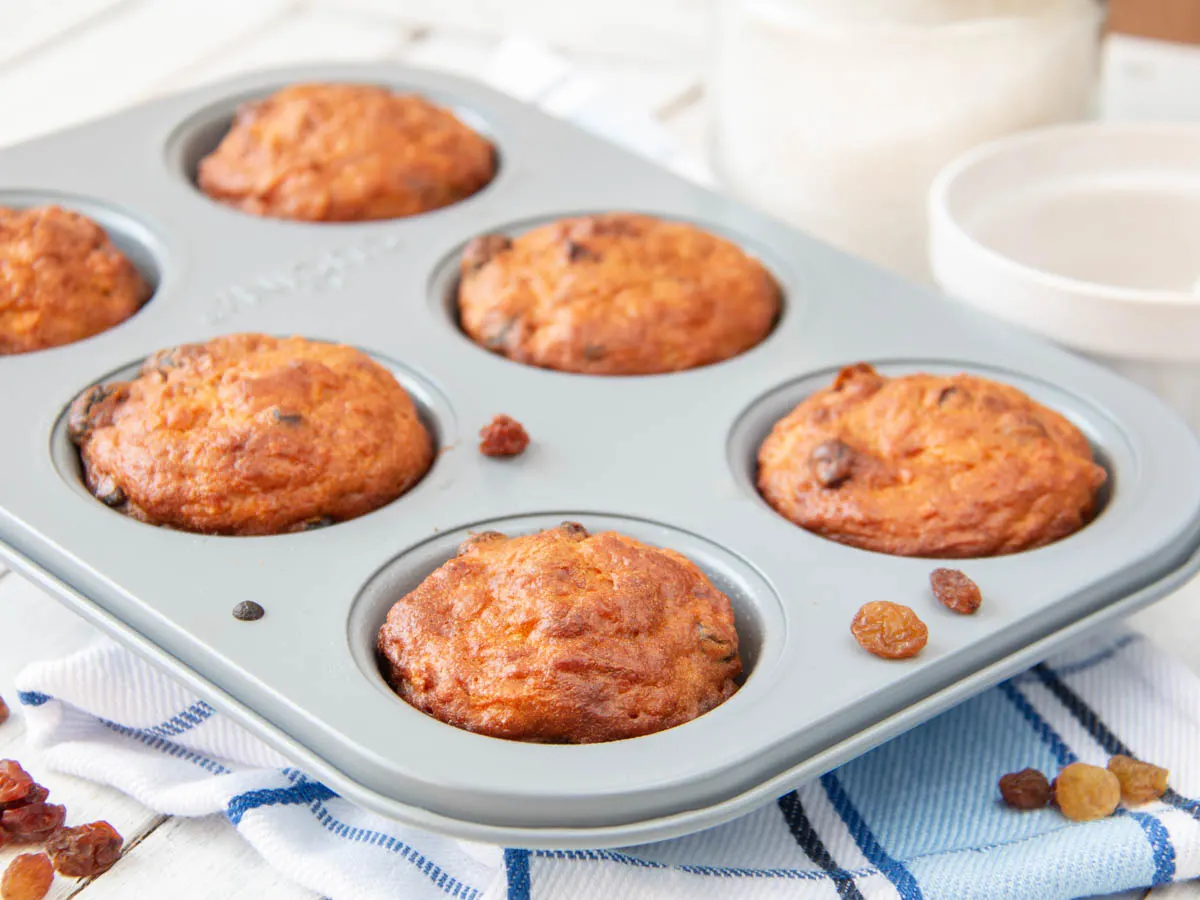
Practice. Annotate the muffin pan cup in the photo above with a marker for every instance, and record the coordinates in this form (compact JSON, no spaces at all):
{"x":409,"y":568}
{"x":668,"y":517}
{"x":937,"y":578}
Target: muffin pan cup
{"x":668,"y":459}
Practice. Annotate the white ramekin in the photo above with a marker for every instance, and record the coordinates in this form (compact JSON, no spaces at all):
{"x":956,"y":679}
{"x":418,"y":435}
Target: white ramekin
{"x":1089,"y":235}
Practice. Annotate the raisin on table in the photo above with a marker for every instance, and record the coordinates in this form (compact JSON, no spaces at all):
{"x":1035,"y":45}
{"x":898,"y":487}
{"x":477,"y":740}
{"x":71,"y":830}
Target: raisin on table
{"x":1141,"y":782}
{"x":28,"y":877}
{"x":32,"y":823}
{"x":3,"y":711}
{"x":37,"y":794}
{"x":955,"y":591}
{"x":84,"y":851}
{"x":889,"y":630}
{"x":15,"y":782}
{"x":1084,"y":792}
{"x":1027,"y":789}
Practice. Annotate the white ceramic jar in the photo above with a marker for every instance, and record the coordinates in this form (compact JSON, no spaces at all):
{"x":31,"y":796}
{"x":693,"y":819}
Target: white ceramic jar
{"x":836,"y":115}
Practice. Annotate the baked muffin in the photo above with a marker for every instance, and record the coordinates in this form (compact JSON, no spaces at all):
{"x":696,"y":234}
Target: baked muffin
{"x":562,"y":637}
{"x":249,"y":434}
{"x":615,"y":294}
{"x":929,"y":465}
{"x":345,"y":152}
{"x":61,"y":280}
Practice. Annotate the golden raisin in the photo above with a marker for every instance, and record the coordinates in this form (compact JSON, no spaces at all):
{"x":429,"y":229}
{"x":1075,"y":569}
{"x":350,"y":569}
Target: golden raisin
{"x":27,"y":877}
{"x":955,"y":591}
{"x":503,"y":436}
{"x":889,"y":630}
{"x":86,"y":850}
{"x":1027,"y":789}
{"x":15,"y":782}
{"x":3,"y":711}
{"x":1086,"y":792}
{"x":1140,"y":782}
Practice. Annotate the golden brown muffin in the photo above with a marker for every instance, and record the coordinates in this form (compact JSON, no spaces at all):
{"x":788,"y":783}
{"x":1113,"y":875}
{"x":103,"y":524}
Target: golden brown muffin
{"x":615,"y":294}
{"x":929,"y":465}
{"x":250,"y":434}
{"x":345,"y":152}
{"x":563,"y":637}
{"x":61,"y":280}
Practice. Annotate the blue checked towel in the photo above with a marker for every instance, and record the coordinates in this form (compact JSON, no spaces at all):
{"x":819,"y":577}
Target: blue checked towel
{"x":919,"y":817}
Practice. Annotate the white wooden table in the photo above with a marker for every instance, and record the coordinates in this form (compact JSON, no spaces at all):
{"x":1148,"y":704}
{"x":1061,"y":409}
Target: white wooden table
{"x":62,"y":61}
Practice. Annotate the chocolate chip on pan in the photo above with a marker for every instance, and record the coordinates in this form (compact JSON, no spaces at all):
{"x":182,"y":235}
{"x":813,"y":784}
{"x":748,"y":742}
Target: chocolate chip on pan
{"x":248,"y":611}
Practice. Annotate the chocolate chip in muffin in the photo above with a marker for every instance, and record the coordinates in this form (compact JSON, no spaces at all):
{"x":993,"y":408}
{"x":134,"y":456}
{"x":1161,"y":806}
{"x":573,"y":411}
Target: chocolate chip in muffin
{"x":499,"y":337}
{"x":482,"y":249}
{"x":83,"y":415}
{"x":318,"y":524}
{"x":832,"y":463}
{"x":576,"y":252}
{"x":286,"y":418}
{"x":574,"y":530}
{"x":480,"y":537}
{"x":109,"y":493}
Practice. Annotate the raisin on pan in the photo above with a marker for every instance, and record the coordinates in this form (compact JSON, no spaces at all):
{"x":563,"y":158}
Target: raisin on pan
{"x":889,"y":630}
{"x":503,"y":436}
{"x":955,"y":591}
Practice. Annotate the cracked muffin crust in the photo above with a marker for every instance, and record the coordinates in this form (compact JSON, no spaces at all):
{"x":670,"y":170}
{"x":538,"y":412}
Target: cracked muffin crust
{"x":929,"y":465}
{"x":615,"y":294}
{"x":562,"y":637}
{"x":345,"y":152}
{"x":248,"y":435}
{"x":61,"y":280}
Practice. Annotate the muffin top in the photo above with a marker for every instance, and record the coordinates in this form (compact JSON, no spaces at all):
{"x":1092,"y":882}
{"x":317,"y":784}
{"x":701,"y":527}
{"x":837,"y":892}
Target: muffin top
{"x":345,"y":152}
{"x":563,"y":637}
{"x":929,"y":465}
{"x":249,"y":434}
{"x":61,"y":280}
{"x":615,"y":294}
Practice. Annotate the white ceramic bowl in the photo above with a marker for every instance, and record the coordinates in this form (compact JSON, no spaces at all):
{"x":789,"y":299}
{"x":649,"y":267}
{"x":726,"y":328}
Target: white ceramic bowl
{"x":1088,"y":234}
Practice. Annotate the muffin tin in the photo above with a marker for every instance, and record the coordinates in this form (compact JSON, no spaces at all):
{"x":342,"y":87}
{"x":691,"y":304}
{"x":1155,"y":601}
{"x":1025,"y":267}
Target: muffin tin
{"x":668,"y":459}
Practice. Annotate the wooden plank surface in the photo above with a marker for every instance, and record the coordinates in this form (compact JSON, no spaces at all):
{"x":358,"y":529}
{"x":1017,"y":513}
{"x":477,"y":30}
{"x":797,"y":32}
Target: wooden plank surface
{"x":66,"y":60}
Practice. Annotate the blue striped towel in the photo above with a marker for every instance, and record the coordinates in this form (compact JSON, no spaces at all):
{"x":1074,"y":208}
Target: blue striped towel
{"x":919,"y":817}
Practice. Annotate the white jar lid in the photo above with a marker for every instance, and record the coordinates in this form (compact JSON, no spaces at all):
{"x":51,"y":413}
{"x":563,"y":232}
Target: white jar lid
{"x":1087,"y":234}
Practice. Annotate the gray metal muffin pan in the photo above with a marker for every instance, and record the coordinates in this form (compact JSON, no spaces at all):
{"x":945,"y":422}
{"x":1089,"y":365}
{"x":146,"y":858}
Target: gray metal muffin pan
{"x":668,"y":459}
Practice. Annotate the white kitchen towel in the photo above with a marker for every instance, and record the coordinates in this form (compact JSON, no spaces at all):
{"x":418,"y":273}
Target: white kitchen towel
{"x":920,"y":817}
{"x":917,"y":818}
